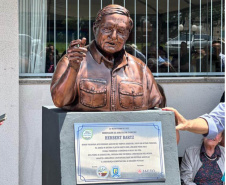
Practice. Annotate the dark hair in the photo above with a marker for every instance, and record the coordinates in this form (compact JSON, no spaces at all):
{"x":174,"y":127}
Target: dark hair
{"x":152,"y":64}
{"x":112,"y":9}
{"x":216,"y":42}
{"x":222,"y":142}
{"x":161,"y":90}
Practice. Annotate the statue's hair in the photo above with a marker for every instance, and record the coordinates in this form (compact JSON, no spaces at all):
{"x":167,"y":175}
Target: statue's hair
{"x":112,"y":9}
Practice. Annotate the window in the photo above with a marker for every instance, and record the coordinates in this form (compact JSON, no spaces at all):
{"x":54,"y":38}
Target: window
{"x":32,"y":36}
{"x":172,"y":37}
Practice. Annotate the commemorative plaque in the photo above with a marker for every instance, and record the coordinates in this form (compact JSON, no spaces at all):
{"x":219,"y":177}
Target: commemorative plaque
{"x":119,"y":152}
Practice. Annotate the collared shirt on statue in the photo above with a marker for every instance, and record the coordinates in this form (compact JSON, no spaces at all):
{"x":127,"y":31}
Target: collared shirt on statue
{"x":123,"y":85}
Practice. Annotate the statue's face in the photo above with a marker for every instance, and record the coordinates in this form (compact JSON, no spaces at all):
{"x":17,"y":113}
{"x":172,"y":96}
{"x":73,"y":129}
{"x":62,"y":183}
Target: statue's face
{"x":112,"y":33}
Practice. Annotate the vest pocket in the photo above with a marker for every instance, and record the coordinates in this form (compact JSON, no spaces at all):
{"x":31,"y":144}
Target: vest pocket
{"x":93,"y":93}
{"x":131,"y":95}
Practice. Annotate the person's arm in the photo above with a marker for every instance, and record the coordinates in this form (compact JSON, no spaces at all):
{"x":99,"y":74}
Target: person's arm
{"x":178,"y":136}
{"x":186,"y":171}
{"x":198,"y":125}
{"x":63,"y":88}
{"x":215,"y":120}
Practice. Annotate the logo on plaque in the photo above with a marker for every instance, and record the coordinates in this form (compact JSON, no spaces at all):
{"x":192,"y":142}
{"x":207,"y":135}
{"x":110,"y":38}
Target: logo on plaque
{"x":87,"y":134}
{"x":115,"y":172}
{"x":102,"y":172}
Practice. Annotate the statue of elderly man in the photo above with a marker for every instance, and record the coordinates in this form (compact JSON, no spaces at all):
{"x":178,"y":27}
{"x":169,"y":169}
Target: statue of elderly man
{"x":103,"y":77}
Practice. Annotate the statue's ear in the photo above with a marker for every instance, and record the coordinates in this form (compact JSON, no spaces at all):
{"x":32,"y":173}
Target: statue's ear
{"x":94,"y":29}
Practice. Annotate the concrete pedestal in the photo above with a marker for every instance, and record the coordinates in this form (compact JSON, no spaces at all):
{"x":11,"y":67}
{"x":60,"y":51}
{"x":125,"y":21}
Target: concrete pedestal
{"x":58,"y":154}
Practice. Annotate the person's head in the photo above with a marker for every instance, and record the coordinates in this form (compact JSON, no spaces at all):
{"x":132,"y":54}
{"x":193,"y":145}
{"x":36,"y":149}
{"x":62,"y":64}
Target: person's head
{"x":50,"y":48}
{"x":213,"y":142}
{"x":112,"y":28}
{"x":183,"y":47}
{"x":152,"y":64}
{"x":216,"y":48}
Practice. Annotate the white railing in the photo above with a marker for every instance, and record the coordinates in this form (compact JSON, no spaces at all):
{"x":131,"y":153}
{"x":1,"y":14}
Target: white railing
{"x":147,"y":3}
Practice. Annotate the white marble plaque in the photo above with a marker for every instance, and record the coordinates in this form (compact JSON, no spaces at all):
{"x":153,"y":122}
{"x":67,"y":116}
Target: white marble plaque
{"x":119,"y":152}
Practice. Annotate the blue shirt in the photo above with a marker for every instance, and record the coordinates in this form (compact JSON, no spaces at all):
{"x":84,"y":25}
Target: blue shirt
{"x":215,"y":120}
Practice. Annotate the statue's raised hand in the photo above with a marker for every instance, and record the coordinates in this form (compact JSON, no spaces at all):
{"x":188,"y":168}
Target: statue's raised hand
{"x":76,"y":52}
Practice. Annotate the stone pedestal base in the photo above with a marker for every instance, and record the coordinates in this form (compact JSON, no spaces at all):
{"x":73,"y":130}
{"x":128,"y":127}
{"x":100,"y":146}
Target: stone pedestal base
{"x":58,"y":147}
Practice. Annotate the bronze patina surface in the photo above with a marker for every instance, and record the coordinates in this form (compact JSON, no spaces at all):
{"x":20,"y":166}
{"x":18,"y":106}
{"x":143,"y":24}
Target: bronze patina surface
{"x":102,"y":76}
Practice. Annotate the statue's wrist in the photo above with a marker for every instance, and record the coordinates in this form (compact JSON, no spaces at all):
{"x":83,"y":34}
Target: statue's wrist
{"x":76,"y":68}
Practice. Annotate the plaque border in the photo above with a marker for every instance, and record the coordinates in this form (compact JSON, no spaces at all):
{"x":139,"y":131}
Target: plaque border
{"x":156,"y":124}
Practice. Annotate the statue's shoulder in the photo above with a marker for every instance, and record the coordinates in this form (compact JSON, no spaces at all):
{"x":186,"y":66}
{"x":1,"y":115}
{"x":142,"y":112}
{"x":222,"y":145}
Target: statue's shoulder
{"x":135,"y":60}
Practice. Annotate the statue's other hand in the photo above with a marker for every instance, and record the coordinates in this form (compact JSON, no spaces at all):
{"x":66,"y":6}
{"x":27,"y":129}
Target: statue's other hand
{"x":76,"y":52}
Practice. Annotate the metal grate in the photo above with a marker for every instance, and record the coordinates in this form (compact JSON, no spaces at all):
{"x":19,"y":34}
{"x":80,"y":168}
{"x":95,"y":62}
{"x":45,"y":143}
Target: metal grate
{"x":159,"y":23}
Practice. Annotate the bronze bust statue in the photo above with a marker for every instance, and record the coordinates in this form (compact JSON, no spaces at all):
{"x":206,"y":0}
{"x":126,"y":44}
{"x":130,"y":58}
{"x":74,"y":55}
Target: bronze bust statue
{"x":103,"y":77}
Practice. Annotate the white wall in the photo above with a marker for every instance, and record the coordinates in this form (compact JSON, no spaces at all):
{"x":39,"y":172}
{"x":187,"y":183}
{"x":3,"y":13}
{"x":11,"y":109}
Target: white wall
{"x":192,"y":99}
{"x":32,"y":98}
{"x":9,"y":93}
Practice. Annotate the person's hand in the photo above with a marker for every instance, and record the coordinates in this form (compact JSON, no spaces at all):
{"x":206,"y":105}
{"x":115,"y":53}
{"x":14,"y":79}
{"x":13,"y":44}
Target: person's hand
{"x":1,"y":123}
{"x":76,"y":52}
{"x":180,"y":120}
